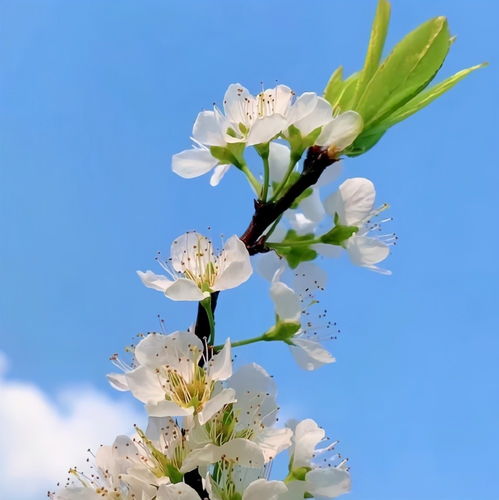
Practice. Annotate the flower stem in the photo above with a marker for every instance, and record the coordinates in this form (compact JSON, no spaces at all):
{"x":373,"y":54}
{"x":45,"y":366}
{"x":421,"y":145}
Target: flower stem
{"x":292,"y":163}
{"x":251,"y":178}
{"x":299,"y":243}
{"x":206,"y":303}
{"x":266,"y":178}
{"x":240,"y":343}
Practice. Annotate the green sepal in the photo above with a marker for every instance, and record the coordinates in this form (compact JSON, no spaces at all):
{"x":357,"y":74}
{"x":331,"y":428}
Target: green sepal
{"x":282,"y":330}
{"x":299,"y":143}
{"x":338,"y":235}
{"x":231,"y":154}
{"x":295,"y":255}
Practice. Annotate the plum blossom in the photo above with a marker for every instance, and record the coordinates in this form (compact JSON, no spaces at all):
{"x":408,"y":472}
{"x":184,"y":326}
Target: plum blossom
{"x":242,"y":433}
{"x":330,"y":479}
{"x":291,"y":309}
{"x":168,"y":379}
{"x":340,"y":132}
{"x":121,"y":471}
{"x":353,"y":205}
{"x":247,"y":120}
{"x":195,"y":271}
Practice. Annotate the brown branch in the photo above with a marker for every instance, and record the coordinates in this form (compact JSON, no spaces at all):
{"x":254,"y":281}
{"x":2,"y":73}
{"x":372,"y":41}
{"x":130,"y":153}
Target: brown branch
{"x":315,"y":163}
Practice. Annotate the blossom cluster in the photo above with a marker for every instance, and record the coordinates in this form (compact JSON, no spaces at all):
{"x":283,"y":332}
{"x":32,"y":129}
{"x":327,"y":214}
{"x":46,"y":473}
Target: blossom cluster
{"x":213,"y":430}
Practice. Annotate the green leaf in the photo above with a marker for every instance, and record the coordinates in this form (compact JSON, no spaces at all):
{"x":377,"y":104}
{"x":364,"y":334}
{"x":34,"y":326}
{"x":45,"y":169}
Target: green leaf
{"x":338,"y":234}
{"x":334,"y":86}
{"x":365,"y":142}
{"x":375,"y":48}
{"x":347,"y":96}
{"x":428,"y":96}
{"x":408,"y":69}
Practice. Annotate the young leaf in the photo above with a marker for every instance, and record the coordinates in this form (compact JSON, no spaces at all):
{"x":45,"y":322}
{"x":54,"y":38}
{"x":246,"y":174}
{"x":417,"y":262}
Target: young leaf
{"x":411,"y":65}
{"x":375,"y":48}
{"x":334,"y":86}
{"x":426,"y":97}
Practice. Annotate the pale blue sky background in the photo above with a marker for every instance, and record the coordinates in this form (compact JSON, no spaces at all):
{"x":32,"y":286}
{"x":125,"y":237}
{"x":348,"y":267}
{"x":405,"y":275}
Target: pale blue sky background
{"x":95,"y":97}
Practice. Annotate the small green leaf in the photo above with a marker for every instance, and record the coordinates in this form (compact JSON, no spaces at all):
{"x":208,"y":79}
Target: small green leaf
{"x":221,"y":154}
{"x":375,"y":48}
{"x":426,"y":97}
{"x":347,"y":96}
{"x":334,"y":86}
{"x":338,"y":234}
{"x":408,"y":69}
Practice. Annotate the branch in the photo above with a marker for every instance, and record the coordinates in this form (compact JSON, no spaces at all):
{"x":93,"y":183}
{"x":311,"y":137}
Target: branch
{"x":315,"y":163}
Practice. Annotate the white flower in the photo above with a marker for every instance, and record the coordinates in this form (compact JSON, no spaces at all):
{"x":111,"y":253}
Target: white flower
{"x":328,"y":480}
{"x":169,"y":380}
{"x":241,"y":433}
{"x":120,"y":471}
{"x":353,"y":203}
{"x":340,"y":132}
{"x":195,"y":271}
{"x":308,"y":113}
{"x":179,"y":491}
{"x":248,"y":120}
{"x":236,"y":485}
{"x":290,"y":308}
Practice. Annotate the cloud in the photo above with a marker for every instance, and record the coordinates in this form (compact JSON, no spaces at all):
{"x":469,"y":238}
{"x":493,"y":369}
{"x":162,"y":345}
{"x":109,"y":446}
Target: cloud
{"x":41,"y":437}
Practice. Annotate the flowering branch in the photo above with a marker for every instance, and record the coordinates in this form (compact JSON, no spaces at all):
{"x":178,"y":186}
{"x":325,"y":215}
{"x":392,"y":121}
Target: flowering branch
{"x":212,"y":432}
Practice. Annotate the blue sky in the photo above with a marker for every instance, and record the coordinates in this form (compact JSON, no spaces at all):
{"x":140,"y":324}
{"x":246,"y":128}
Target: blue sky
{"x":96,"y":96}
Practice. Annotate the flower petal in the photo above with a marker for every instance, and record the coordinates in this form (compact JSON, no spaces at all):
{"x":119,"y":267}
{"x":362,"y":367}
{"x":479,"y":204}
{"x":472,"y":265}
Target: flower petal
{"x":286,"y":302}
{"x":340,"y":132}
{"x":353,"y":201}
{"x":312,"y":206}
{"x":118,"y":381}
{"x":168,"y":409}
{"x":234,"y":263}
{"x":261,"y":489}
{"x":329,"y":482}
{"x":242,"y":451}
{"x":218,"y":174}
{"x":267,"y":265}
{"x":307,"y":436}
{"x":237,"y":100}
{"x":215,"y":404}
{"x":365,"y":251}
{"x":209,"y":129}
{"x":279,"y":156}
{"x":311,"y":112}
{"x":265,"y":129}
{"x":308,"y":277}
{"x":330,"y":174}
{"x":219,"y":367}
{"x":145,"y":385}
{"x":184,"y":289}
{"x":309,"y":354}
{"x":178,"y":491}
{"x":154,"y":281}
{"x":272,"y":441}
{"x":193,"y":163}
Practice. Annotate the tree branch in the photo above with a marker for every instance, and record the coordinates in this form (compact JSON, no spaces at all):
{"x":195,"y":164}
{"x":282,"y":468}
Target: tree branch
{"x":315,"y":163}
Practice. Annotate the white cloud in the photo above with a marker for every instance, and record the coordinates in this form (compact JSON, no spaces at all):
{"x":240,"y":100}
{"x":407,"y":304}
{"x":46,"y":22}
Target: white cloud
{"x":41,"y":437}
